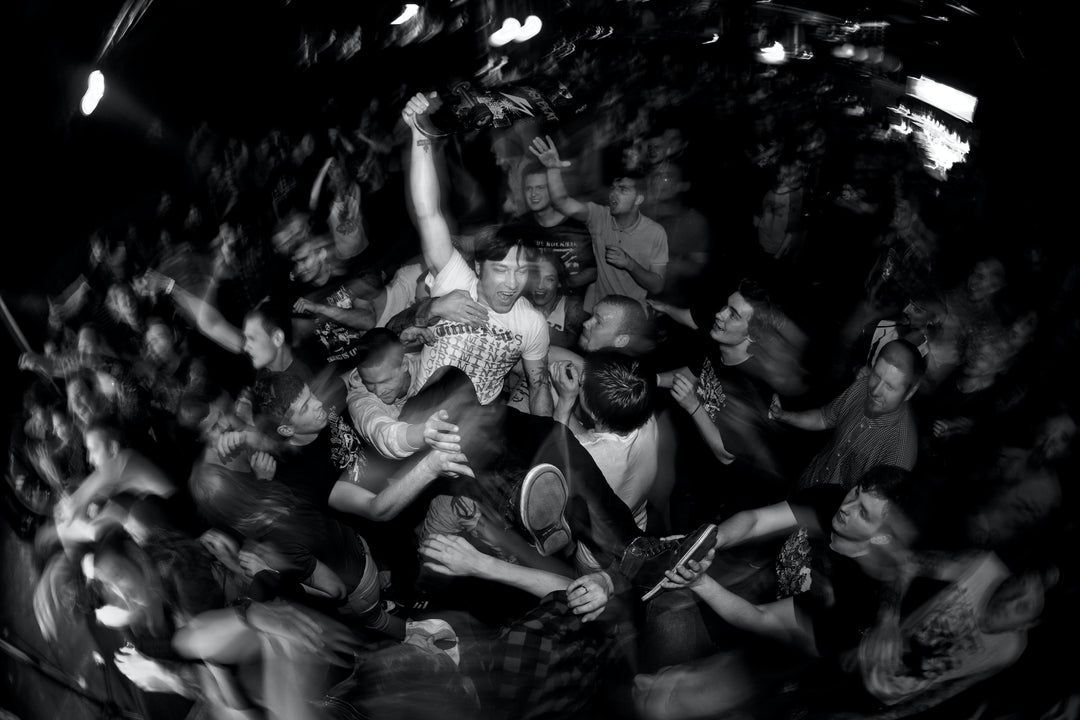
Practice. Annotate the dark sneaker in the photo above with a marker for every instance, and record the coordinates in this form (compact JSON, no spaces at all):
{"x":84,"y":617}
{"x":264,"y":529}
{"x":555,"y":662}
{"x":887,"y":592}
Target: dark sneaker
{"x":670,"y":555}
{"x":544,"y":492}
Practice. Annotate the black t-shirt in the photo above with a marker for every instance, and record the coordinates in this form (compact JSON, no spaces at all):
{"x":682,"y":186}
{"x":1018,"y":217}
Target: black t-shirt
{"x":570,"y":240}
{"x":831,"y":591}
{"x":309,"y":535}
{"x":312,"y":471}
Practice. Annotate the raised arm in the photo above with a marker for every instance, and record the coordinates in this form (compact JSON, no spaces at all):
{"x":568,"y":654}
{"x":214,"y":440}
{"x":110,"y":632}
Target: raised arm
{"x":207,"y":319}
{"x":548,"y":155}
{"x":351,"y":498}
{"x":424,"y":191}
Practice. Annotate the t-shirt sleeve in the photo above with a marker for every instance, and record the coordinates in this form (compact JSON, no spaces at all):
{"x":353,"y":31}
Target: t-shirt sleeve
{"x":535,"y":339}
{"x":659,"y":251}
{"x":455,"y":275}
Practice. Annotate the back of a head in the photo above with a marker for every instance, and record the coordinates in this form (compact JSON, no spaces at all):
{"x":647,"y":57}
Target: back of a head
{"x":904,"y":356}
{"x":618,"y":391}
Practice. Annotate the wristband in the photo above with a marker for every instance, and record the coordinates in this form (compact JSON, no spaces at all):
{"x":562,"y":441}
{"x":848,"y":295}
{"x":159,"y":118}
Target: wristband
{"x":170,"y":286}
{"x":695,"y":410}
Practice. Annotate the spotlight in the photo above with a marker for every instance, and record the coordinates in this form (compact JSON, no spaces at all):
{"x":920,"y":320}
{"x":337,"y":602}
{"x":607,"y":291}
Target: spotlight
{"x":95,"y":90}
{"x":407,"y":14}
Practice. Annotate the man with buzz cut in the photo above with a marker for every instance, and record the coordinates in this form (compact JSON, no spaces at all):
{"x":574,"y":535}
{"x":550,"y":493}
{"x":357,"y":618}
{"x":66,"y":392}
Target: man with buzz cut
{"x":631,"y":250}
{"x":513,"y":329}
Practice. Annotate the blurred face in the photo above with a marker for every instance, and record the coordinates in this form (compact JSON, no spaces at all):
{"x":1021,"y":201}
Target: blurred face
{"x":80,"y":400}
{"x":62,"y":427}
{"x":602,"y":330}
{"x":290,"y":235}
{"x":665,"y":182}
{"x":122,"y":590}
{"x":159,"y":342}
{"x":306,"y":415}
{"x":887,"y":388}
{"x":1055,"y":439}
{"x":259,"y":345}
{"x":388,"y":381}
{"x":121,"y":302}
{"x":860,"y":517}
{"x":308,"y":263}
{"x":624,"y":196}
{"x":537,"y":197}
{"x":916,"y":316}
{"x":986,"y":279}
{"x":986,"y":360}
{"x":731,"y":325}
{"x":1015,"y":604}
{"x":214,"y":424}
{"x":545,"y":284}
{"x":98,"y":450}
{"x":503,"y":281}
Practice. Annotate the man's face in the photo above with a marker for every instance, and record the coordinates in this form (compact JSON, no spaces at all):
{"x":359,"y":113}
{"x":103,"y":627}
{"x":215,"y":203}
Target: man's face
{"x":917,"y":316}
{"x":545,"y":283}
{"x":537,"y":197}
{"x":388,"y":381}
{"x":258,"y":344}
{"x":887,"y":388}
{"x":731,"y":325}
{"x":306,"y":415}
{"x":98,"y":450}
{"x":1055,"y":439}
{"x":159,"y":342}
{"x":503,"y":281}
{"x":602,"y":329}
{"x":308,"y":263}
{"x":624,"y":196}
{"x":860,"y":517}
{"x":986,"y":279}
{"x":214,"y":424}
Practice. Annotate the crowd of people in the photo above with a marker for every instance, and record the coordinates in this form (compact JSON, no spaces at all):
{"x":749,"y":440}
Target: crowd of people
{"x":695,"y":405}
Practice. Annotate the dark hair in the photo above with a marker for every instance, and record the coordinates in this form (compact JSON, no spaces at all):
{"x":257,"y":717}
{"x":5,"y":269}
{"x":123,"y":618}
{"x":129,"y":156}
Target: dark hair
{"x":376,"y":345}
{"x":766,"y":317}
{"x":557,"y":262}
{"x":504,"y":240}
{"x":238,"y":502}
{"x":533,"y":167}
{"x":274,"y":394}
{"x":617,"y":390}
{"x":272,"y":316}
{"x":904,"y":356}
{"x":635,"y":176}
{"x":909,"y":505}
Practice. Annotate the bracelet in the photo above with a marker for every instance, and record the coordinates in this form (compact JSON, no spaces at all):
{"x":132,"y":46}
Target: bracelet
{"x":695,"y":410}
{"x":170,"y":286}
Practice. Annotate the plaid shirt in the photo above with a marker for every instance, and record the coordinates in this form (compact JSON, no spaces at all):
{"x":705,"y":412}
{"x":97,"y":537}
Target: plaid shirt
{"x":860,"y":442}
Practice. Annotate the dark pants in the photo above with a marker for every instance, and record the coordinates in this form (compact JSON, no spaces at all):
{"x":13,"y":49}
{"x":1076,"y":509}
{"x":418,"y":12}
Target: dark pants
{"x":502,"y":444}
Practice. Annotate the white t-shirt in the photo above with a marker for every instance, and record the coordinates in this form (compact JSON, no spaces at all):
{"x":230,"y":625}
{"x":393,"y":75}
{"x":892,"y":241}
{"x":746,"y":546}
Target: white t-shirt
{"x":628,"y":463}
{"x":486,"y":354}
{"x":400,"y":291}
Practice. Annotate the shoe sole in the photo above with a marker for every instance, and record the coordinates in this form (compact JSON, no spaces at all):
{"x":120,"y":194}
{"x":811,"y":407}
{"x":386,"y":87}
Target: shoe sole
{"x":706,"y":538}
{"x":544,"y":492}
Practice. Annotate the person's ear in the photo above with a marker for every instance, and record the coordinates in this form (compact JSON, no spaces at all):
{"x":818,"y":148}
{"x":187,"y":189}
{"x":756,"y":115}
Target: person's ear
{"x":278,"y":338}
{"x":622,"y":341}
{"x":639,"y":199}
{"x":285,"y":431}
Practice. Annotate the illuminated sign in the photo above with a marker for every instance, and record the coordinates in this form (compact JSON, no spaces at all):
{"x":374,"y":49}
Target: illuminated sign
{"x":944,"y":98}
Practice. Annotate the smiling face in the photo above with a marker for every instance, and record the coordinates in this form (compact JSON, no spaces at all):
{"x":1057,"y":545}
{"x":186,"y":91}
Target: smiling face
{"x":731,"y":326}
{"x":544,"y":289}
{"x":537,"y":197}
{"x":887,"y":388}
{"x":503,"y":281}
{"x":388,"y":380}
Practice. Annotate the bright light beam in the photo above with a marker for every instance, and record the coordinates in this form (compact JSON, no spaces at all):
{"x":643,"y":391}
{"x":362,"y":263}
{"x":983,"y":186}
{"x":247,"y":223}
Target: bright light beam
{"x":407,"y":14}
{"x":95,"y":90}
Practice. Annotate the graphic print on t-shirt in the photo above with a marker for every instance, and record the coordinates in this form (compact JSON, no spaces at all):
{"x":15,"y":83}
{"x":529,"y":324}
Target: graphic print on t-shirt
{"x":346,"y":446}
{"x":486,"y":354}
{"x":338,"y":340}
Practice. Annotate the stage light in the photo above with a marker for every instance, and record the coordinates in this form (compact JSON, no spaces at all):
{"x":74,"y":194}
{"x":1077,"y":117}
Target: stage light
{"x":407,"y":14}
{"x":95,"y":90}
{"x":509,"y":30}
{"x":772,"y":55}
{"x":529,"y":29}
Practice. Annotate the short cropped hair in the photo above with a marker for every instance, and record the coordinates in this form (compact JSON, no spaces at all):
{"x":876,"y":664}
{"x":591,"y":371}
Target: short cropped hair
{"x":908,"y":511}
{"x":272,"y":316}
{"x":274,"y":395}
{"x":904,"y":356}
{"x":618,"y":390}
{"x":376,"y":345}
{"x":765,"y":318}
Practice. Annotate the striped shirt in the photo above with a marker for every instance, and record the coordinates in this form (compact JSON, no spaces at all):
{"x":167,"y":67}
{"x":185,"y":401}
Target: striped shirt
{"x":860,"y":442}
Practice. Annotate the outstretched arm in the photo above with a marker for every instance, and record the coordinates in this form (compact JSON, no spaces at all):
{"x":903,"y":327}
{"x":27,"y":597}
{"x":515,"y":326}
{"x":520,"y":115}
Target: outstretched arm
{"x":424,"y":191}
{"x":803,"y":419}
{"x":548,"y":155}
{"x":208,"y":319}
{"x":349,"y":497}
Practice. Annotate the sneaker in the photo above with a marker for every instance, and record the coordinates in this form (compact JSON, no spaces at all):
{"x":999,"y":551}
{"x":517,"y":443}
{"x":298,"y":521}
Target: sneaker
{"x":434,"y":635}
{"x":544,"y":493}
{"x":676,"y":554}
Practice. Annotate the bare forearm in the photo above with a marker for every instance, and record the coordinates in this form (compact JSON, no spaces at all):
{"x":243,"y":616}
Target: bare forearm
{"x":651,"y":281}
{"x":355,"y":318}
{"x":533,"y":581}
{"x":803,"y":419}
